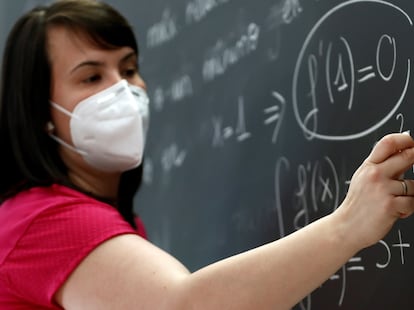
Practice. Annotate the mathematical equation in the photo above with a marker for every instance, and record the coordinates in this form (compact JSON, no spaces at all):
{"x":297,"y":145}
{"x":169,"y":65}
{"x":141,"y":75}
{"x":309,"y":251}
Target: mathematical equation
{"x":330,"y":80}
{"x":356,"y":264}
{"x":318,"y":188}
{"x":389,"y":252}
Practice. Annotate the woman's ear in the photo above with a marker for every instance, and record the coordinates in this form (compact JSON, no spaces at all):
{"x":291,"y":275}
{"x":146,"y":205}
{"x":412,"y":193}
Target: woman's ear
{"x":50,"y":127}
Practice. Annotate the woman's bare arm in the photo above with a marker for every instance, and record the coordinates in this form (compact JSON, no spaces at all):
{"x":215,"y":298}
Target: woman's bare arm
{"x":128,"y":272}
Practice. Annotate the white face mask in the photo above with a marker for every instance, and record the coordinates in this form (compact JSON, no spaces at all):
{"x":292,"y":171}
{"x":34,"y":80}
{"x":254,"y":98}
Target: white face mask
{"x":108,"y":129}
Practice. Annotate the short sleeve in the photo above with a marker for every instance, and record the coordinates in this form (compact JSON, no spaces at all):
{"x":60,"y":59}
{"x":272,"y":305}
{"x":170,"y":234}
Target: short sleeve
{"x":56,"y":241}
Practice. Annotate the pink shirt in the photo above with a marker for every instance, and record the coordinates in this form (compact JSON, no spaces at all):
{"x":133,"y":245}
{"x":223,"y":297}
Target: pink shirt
{"x":45,"y":232}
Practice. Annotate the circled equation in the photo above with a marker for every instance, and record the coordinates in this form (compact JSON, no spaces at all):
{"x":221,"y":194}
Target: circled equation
{"x":351,"y":78}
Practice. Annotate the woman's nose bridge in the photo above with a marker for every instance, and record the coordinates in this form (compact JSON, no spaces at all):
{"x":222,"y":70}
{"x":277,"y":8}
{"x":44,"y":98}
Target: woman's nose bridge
{"x":114,"y":76}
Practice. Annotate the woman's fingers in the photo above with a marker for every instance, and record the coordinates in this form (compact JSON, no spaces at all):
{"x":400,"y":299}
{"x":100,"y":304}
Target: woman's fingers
{"x":394,"y":154}
{"x":377,"y":195}
{"x":390,"y":145}
{"x":404,"y":188}
{"x":395,"y":166}
{"x":405,"y":199}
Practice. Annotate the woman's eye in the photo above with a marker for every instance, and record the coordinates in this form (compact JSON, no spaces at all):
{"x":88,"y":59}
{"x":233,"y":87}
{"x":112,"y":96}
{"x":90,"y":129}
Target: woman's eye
{"x":130,"y":72}
{"x":92,"y":78}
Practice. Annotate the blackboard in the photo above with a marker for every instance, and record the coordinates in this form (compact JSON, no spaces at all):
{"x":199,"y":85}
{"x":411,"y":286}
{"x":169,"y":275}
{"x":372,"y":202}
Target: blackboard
{"x":261,"y":111}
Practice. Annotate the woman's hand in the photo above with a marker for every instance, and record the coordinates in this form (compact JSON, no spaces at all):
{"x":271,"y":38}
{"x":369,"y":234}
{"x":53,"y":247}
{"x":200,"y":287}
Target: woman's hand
{"x":378,"y":195}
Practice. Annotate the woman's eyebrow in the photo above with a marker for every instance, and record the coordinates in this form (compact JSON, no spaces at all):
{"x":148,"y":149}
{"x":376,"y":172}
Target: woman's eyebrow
{"x":87,"y":63}
{"x":94,"y":63}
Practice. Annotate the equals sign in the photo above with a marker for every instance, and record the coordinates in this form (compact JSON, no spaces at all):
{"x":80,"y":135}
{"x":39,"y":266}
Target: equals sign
{"x":355,"y":268}
{"x":367,"y":74}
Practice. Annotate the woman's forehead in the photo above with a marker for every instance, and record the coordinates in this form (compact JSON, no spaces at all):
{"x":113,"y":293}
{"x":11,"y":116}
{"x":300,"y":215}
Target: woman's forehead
{"x":66,"y":46}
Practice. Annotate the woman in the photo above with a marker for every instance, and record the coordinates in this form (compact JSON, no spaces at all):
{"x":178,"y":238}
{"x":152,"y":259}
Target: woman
{"x":73,"y":116}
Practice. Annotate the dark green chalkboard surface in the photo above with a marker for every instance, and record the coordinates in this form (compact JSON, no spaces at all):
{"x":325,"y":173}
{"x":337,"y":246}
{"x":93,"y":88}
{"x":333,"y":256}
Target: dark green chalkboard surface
{"x":260,"y":113}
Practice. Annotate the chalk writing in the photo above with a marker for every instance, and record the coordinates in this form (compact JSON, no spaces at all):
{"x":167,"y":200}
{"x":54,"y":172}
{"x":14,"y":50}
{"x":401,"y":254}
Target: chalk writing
{"x":336,"y":56}
{"x":291,"y":10}
{"x":306,"y":304}
{"x":172,"y":157}
{"x":223,"y":133}
{"x":274,"y":115}
{"x":317,"y":182}
{"x":277,"y":113}
{"x":356,"y":264}
{"x":400,"y":117}
{"x":284,"y":12}
{"x":163,"y":31}
{"x":281,"y":163}
{"x":179,"y":89}
{"x":148,"y":172}
{"x":223,"y":55}
{"x":197,"y":10}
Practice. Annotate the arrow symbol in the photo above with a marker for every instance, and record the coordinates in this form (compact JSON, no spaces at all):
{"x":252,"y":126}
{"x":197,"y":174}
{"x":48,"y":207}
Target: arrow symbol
{"x":276,"y":113}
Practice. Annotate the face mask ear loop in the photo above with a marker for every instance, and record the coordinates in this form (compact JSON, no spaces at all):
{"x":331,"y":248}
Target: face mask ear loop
{"x":59,"y":140}
{"x":63,"y":110}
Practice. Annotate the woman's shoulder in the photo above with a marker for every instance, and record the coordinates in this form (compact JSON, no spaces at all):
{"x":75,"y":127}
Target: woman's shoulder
{"x":55,"y":198}
{"x":49,"y":231}
{"x":39,"y":198}
{"x":60,"y":213}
